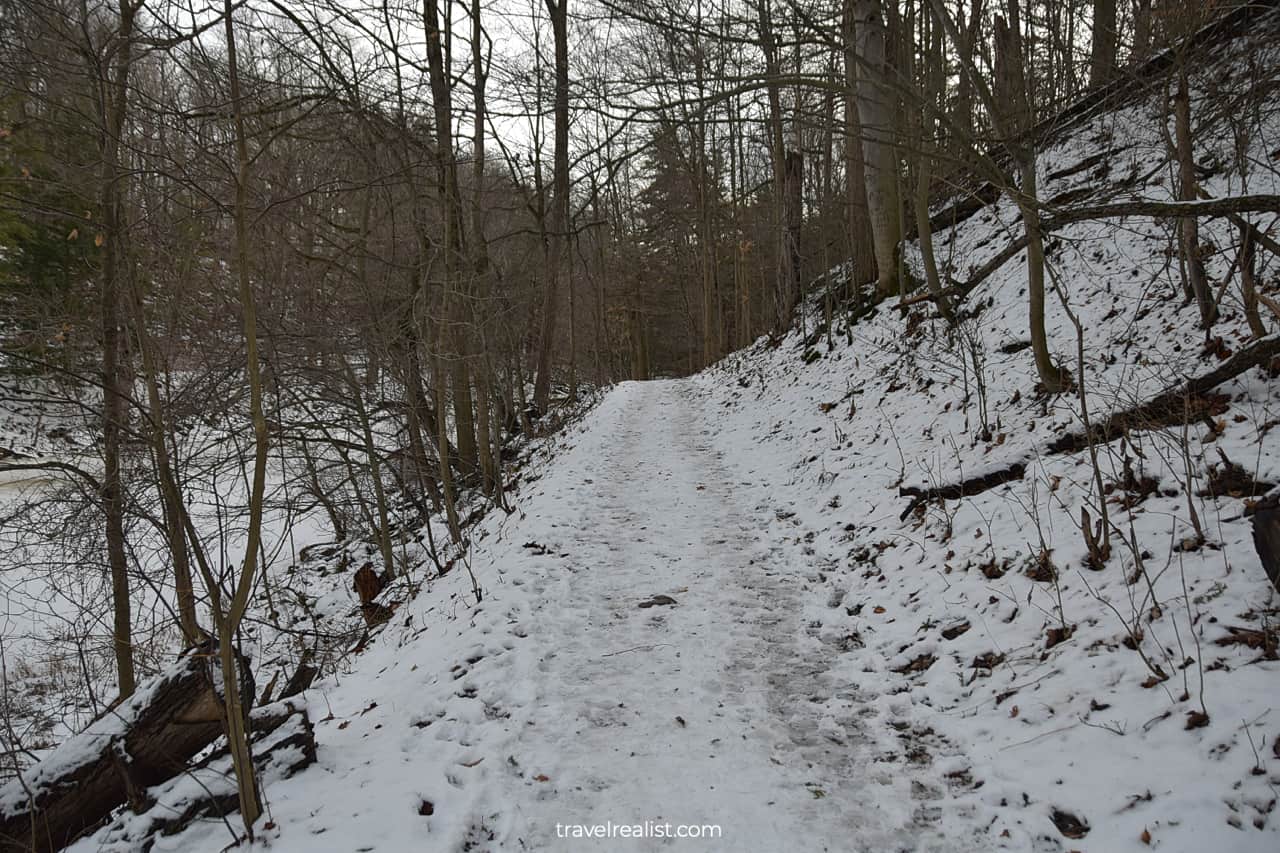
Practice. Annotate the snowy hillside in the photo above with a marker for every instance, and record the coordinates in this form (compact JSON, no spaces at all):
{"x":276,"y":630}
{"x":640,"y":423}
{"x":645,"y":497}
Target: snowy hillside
{"x":743,"y":610}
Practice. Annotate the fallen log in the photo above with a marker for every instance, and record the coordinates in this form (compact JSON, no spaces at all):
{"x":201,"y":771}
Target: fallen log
{"x":964,"y":489}
{"x":284,"y":743}
{"x":1228,"y":206}
{"x":1181,"y":404}
{"x":1178,"y":405}
{"x":145,"y":740}
{"x":959,"y":210}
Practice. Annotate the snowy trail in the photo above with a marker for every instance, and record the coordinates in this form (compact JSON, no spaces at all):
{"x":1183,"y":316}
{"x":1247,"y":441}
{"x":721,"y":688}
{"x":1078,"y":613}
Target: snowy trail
{"x":695,"y":713}
{"x":559,"y":701}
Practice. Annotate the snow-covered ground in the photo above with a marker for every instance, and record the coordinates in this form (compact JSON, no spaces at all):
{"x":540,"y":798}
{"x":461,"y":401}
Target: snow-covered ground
{"x":822,"y":671}
{"x":767,"y":700}
{"x":567,"y":697}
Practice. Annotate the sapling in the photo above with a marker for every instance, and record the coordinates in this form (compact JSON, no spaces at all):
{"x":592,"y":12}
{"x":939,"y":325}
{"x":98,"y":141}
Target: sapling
{"x":1097,"y":540}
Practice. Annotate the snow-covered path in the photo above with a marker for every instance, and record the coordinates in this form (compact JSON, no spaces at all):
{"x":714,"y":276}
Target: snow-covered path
{"x":560,"y":700}
{"x":692,"y":713}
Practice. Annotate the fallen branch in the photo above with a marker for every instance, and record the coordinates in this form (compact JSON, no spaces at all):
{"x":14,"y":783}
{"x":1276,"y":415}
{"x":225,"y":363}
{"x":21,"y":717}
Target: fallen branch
{"x":1178,"y":405}
{"x":1182,"y":404}
{"x":49,"y":465}
{"x":1212,"y":207}
{"x":964,"y":489}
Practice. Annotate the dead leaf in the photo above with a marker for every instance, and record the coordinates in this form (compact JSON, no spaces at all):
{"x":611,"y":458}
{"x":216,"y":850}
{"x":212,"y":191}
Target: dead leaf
{"x":1145,"y":837}
{"x":877,"y":610}
{"x":920,"y":664}
{"x":1068,"y":824}
{"x":1055,"y":636}
{"x":1197,"y":720}
{"x":542,"y":777}
{"x":1013,"y":712}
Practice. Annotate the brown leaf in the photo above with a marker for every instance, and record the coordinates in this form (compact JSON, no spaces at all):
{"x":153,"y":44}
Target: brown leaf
{"x":1197,"y":720}
{"x":877,"y":610}
{"x":1054,"y":636}
{"x":542,"y":777}
{"x":920,"y":664}
{"x":1145,"y":837}
{"x":1068,"y":824}
{"x":1013,"y":712}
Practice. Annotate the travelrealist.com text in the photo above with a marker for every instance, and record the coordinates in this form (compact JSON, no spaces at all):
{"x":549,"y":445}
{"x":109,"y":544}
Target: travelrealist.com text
{"x":647,"y":829}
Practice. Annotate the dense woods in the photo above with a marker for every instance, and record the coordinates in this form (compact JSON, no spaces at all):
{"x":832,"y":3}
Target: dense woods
{"x":347,"y":256}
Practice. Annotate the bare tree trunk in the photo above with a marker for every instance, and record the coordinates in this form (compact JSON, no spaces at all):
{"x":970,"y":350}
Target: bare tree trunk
{"x":1188,"y":191}
{"x":558,"y":10}
{"x":1018,"y":117}
{"x":1248,"y":289}
{"x":969,"y":39}
{"x":1102,"y":57}
{"x":861,"y":241}
{"x":484,"y":439}
{"x":383,"y":533}
{"x":451,"y":338}
{"x":793,"y":209}
{"x":442,"y":452}
{"x":777,"y":156}
{"x":114,"y":95}
{"x":1141,"y":30}
{"x":170,"y":497}
{"x":229,"y":622}
{"x":931,"y":86}
{"x":880,"y":161}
